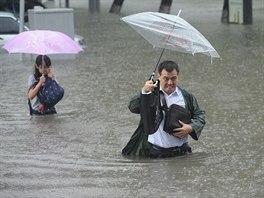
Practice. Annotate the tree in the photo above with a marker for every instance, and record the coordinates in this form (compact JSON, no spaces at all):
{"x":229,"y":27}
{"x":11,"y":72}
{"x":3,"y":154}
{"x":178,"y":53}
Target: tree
{"x":165,"y":6}
{"x":225,"y":11}
{"x":116,"y":6}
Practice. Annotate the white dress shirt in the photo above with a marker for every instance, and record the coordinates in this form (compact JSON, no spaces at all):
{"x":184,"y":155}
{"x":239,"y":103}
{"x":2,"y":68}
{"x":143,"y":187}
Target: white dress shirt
{"x":160,"y":137}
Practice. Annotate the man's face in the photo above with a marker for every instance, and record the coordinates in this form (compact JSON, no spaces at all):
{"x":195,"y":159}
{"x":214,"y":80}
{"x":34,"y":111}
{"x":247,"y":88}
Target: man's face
{"x":168,"y":81}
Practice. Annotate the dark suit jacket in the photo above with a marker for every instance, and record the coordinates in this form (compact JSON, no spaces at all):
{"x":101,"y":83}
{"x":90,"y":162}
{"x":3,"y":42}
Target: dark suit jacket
{"x":138,"y":144}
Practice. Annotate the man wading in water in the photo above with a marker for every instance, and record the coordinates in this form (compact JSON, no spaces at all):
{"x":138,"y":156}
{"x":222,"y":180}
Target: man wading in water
{"x":158,"y":143}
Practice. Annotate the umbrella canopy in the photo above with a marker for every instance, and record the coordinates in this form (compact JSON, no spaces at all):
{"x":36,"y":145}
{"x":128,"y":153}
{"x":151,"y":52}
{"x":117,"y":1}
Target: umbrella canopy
{"x":42,"y":42}
{"x":170,"y":32}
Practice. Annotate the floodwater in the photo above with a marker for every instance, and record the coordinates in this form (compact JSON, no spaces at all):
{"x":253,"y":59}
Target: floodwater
{"x":77,"y":153}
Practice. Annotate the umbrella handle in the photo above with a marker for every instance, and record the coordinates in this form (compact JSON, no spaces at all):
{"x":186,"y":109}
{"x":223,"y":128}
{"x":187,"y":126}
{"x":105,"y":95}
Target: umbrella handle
{"x":42,"y":65}
{"x":152,"y":76}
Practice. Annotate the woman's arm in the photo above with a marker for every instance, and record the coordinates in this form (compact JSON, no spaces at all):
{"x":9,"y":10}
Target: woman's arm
{"x":34,"y":90}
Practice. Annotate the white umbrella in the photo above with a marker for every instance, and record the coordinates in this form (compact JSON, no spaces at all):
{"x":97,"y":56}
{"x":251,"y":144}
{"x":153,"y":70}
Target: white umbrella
{"x":170,"y":32}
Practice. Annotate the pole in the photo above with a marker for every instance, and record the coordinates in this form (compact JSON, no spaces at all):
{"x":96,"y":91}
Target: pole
{"x":21,"y":17}
{"x":247,"y":11}
{"x":67,"y":3}
{"x":21,"y":14}
{"x":94,"y":6}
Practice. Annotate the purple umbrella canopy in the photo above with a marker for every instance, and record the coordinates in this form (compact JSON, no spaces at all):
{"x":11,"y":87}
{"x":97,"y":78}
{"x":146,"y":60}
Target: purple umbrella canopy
{"x":42,"y":42}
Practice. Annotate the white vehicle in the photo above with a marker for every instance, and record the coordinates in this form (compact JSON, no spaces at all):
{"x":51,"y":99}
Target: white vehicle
{"x":9,"y":27}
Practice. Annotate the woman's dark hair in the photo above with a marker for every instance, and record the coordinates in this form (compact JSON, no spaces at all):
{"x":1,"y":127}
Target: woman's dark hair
{"x":44,"y":58}
{"x":169,"y":66}
{"x":39,"y":60}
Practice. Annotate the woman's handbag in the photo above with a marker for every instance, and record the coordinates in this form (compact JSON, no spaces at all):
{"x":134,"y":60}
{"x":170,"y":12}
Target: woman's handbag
{"x":172,"y":116}
{"x":51,"y":93}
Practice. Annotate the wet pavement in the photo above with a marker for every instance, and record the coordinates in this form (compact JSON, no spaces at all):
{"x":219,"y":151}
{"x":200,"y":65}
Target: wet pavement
{"x":77,"y":153}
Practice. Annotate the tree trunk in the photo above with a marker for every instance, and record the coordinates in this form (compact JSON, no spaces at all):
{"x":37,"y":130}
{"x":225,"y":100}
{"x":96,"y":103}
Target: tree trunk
{"x":116,"y":6}
{"x":165,"y":6}
{"x":94,"y":6}
{"x":247,"y":11}
{"x":67,"y":4}
{"x":225,"y":12}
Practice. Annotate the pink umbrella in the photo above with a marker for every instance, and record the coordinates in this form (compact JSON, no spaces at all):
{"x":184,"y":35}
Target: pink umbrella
{"x":42,"y":42}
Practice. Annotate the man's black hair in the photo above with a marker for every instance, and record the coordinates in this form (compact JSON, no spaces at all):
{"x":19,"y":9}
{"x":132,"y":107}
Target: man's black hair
{"x":169,"y":66}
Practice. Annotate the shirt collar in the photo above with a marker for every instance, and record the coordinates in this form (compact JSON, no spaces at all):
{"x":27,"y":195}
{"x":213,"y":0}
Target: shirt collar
{"x":175,"y":93}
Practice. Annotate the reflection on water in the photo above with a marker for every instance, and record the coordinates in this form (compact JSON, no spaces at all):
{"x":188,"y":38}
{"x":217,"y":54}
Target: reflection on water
{"x":76,"y":153}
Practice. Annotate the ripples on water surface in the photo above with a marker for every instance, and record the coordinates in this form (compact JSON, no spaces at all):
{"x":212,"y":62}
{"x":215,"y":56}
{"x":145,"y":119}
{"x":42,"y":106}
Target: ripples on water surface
{"x":76,"y":153}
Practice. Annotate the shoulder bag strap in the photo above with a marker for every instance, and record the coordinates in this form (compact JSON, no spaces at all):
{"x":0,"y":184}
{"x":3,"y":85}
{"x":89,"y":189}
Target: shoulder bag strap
{"x":30,"y":107}
{"x":164,"y":103}
{"x":29,"y":103}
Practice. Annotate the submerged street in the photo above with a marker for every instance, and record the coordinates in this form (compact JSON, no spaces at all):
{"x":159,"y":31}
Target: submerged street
{"x":77,"y":152}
